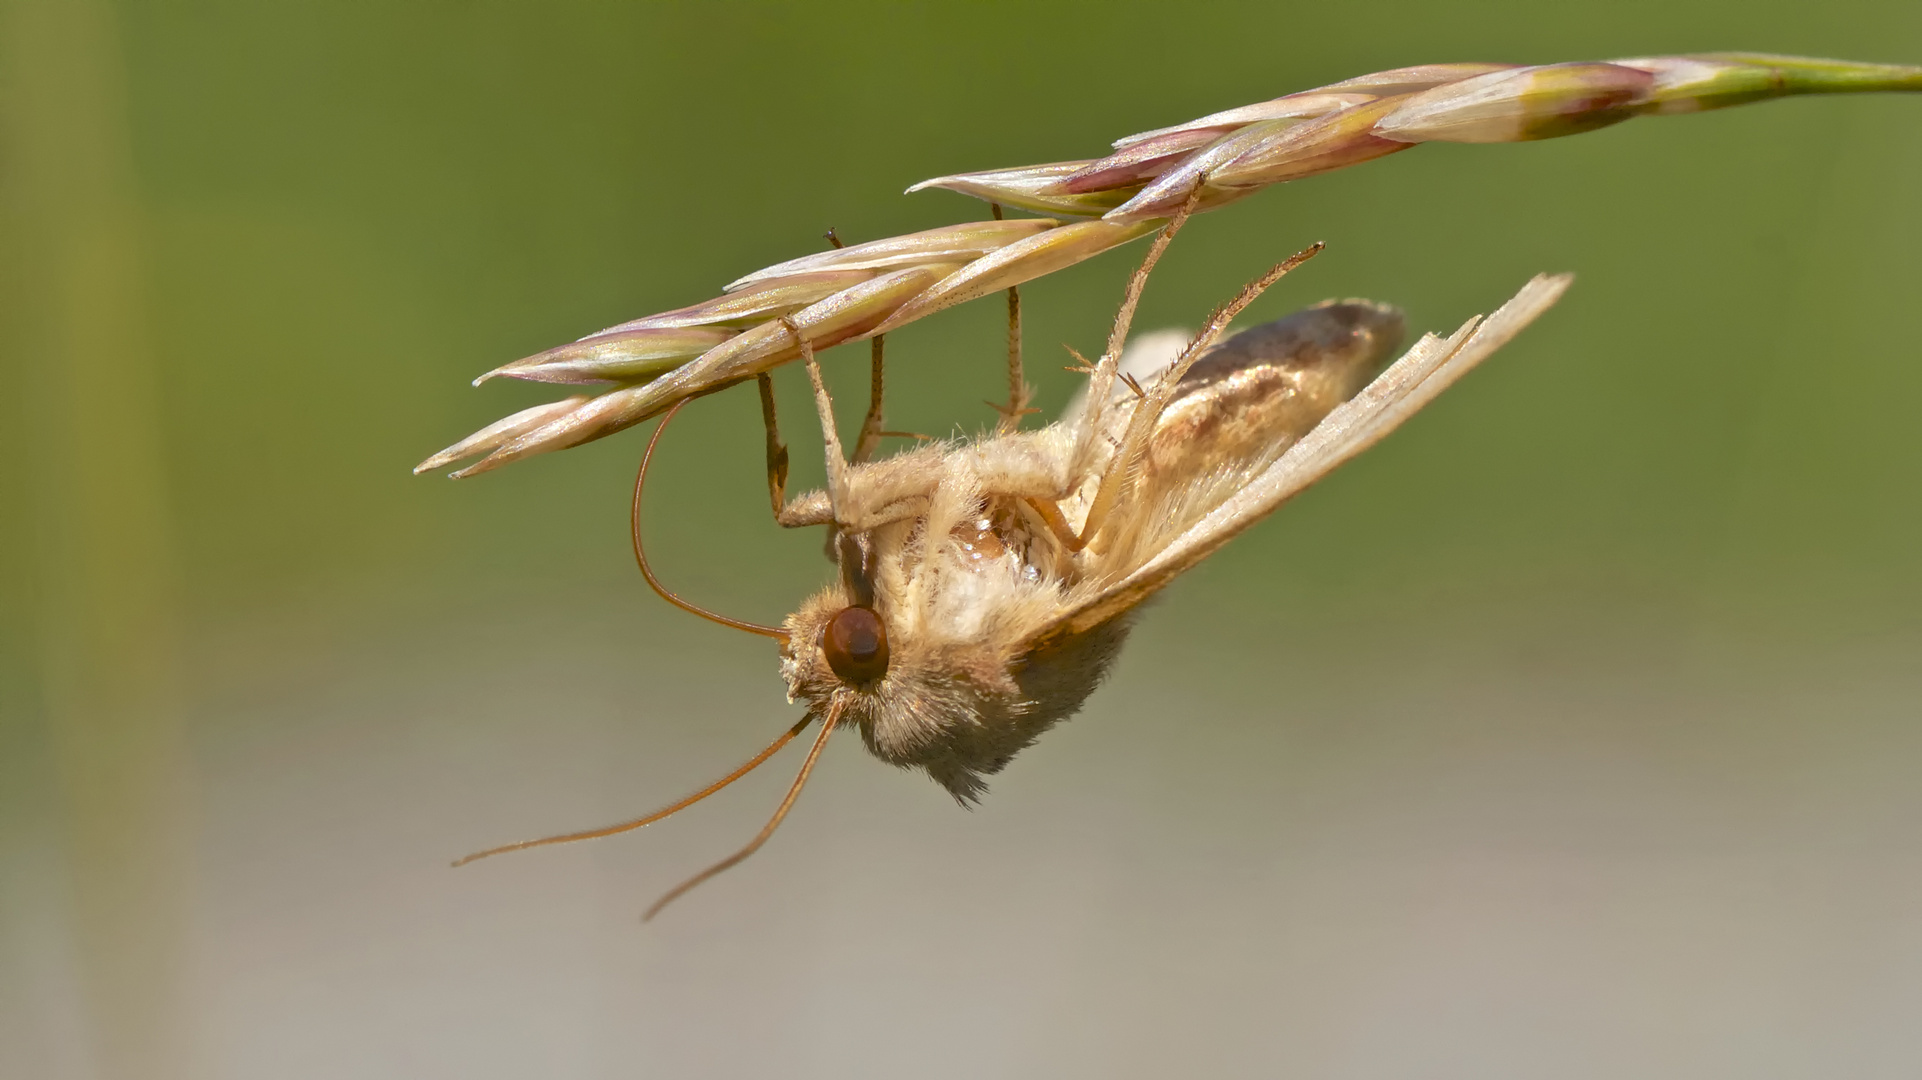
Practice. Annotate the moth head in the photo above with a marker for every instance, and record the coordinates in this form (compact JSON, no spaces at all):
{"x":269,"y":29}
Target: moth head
{"x":854,"y":642}
{"x":839,"y":639}
{"x":838,"y":646}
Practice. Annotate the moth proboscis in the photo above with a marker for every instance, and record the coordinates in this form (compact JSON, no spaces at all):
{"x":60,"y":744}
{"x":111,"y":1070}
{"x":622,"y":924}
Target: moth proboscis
{"x":984,"y":587}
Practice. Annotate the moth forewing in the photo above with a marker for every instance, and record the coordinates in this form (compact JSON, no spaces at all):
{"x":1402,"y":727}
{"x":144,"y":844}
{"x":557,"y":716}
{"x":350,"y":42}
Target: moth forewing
{"x":1241,"y":405}
{"x":1428,"y":368}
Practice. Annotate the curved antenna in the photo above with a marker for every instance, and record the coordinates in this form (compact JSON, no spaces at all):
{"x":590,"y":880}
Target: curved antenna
{"x":640,"y":556}
{"x":773,"y":823}
{"x":671,"y":808}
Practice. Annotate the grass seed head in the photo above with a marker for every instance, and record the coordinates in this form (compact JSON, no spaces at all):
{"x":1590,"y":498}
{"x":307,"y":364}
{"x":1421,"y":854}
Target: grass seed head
{"x":867,"y":289}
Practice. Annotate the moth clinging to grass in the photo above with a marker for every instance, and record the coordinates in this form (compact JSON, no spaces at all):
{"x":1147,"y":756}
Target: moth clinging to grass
{"x":984,"y":587}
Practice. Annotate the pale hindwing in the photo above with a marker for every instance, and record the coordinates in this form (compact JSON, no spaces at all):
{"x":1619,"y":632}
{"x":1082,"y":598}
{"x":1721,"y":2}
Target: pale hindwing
{"x":1428,"y":368}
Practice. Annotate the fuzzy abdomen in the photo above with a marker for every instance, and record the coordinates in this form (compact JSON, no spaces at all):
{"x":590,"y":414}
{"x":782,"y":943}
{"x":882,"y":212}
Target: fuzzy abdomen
{"x":963,"y":721}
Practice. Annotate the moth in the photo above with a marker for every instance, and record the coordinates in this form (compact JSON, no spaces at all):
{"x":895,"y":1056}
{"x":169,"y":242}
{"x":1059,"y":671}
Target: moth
{"x":983,"y":588}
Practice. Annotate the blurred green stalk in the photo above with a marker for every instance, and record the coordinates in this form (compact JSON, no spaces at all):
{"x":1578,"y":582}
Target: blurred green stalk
{"x":96,"y":546}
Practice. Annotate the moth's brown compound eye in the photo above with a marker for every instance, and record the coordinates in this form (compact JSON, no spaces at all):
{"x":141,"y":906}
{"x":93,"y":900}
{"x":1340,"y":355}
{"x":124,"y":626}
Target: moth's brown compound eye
{"x":856,"y":644}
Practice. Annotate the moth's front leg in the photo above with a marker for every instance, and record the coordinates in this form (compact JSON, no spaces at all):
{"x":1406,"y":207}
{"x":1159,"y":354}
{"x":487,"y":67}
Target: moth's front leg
{"x":837,"y":463}
{"x":813,"y":507}
{"x":883,"y":497}
{"x":776,"y":456}
{"x":809,"y":509}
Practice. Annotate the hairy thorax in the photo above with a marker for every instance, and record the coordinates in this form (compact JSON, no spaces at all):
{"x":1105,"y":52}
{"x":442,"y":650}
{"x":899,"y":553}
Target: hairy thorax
{"x":965,"y":689}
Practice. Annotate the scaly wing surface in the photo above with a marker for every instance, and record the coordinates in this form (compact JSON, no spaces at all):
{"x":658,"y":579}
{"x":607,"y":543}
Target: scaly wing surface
{"x":1430,"y":367}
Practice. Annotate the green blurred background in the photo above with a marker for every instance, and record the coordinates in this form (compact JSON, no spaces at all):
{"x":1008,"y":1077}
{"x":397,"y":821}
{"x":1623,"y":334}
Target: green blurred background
{"x":1571,"y":732}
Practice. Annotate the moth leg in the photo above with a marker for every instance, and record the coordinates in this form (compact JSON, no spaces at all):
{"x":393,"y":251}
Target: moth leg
{"x":1017,"y":386}
{"x":903,"y":510}
{"x":1101,"y":380}
{"x":1031,"y":465}
{"x":776,"y":449}
{"x":1018,"y":392}
{"x":870,"y":437}
{"x":844,"y":505}
{"x":805,"y":510}
{"x":1125,"y":466}
{"x":813,"y":508}
{"x":882,"y":491}
{"x":839,"y":494}
{"x":1049,"y":511}
{"x":871,"y":430}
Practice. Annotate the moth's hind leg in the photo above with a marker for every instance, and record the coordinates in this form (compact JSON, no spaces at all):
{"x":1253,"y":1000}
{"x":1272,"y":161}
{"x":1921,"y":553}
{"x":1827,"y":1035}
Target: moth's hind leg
{"x":1093,"y":422}
{"x":1018,"y":396}
{"x":1124,"y":468}
{"x":871,"y":430}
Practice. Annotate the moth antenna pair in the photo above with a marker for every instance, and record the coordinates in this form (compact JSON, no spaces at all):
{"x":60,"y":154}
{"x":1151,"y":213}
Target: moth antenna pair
{"x":674,"y":807}
{"x":794,"y":790}
{"x":773,"y":823}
